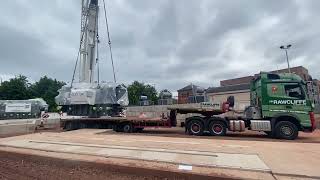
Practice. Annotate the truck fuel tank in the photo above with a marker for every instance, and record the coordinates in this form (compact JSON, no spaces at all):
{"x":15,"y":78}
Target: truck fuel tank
{"x":260,"y":125}
{"x":237,"y":125}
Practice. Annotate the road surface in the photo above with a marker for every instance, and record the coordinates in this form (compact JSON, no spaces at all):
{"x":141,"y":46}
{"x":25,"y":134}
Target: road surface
{"x":158,"y":154}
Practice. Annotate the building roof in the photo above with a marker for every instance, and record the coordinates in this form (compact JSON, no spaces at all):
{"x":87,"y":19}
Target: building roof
{"x":235,"y":81}
{"x":189,"y":87}
{"x":299,"y":70}
{"x":237,"y":87}
{"x":292,"y":69}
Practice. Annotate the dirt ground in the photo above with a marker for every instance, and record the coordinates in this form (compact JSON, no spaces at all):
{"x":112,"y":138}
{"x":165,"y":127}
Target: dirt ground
{"x":14,"y":166}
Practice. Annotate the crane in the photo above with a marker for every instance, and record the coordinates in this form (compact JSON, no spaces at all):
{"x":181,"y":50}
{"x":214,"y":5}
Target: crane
{"x":89,"y":97}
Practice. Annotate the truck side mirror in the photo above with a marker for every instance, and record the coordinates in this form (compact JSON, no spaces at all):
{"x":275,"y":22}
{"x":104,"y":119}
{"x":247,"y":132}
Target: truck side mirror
{"x":230,"y":100}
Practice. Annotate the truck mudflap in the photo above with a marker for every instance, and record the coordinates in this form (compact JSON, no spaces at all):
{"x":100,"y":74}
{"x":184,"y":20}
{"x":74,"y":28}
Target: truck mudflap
{"x":313,"y":123}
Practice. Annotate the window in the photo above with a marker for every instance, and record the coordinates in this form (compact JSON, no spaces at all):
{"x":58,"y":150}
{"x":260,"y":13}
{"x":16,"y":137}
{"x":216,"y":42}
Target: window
{"x":284,"y":90}
{"x":294,"y":90}
{"x":273,"y":76}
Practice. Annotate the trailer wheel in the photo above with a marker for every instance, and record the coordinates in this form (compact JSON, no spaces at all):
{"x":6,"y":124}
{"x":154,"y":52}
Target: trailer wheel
{"x":195,"y":127}
{"x":286,"y":130}
{"x":127,"y":128}
{"x":217,"y":128}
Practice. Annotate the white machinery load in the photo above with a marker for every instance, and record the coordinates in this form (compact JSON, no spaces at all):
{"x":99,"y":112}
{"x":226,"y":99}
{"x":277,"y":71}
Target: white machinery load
{"x":89,"y":97}
{"x":22,"y":109}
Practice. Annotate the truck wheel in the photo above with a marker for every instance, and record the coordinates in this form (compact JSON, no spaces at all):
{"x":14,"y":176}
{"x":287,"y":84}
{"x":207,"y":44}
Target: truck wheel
{"x":195,"y":127}
{"x":217,"y":128}
{"x":127,"y":128}
{"x":286,"y":130}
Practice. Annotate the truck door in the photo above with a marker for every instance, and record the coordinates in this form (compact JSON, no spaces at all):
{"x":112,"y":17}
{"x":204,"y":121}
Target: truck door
{"x":288,"y":98}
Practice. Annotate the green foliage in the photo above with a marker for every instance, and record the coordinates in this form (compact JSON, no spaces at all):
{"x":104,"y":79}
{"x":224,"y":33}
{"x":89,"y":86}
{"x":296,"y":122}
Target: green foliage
{"x":19,"y":88}
{"x":47,"y":89}
{"x":137,"y":89}
{"x":15,"y":89}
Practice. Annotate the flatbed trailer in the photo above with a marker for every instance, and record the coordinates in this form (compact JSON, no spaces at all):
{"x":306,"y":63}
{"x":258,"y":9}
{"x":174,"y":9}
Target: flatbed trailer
{"x":136,"y":123}
{"x":118,"y":124}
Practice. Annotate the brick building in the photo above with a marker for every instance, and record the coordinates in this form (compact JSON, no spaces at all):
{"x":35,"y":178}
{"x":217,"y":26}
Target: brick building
{"x":299,"y":70}
{"x":241,"y":80}
{"x":190,"y":94}
{"x":241,"y":92}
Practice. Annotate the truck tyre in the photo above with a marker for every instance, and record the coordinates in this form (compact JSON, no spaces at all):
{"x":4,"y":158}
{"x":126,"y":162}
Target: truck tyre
{"x":217,"y":128}
{"x":127,"y":128}
{"x":195,"y":127}
{"x":286,"y":130}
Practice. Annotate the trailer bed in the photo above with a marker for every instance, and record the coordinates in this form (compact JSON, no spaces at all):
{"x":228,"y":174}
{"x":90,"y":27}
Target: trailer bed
{"x":204,"y":110}
{"x":72,"y":123}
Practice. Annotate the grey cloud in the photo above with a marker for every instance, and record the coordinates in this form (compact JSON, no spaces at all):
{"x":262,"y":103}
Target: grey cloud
{"x":168,"y":42}
{"x":15,"y":48}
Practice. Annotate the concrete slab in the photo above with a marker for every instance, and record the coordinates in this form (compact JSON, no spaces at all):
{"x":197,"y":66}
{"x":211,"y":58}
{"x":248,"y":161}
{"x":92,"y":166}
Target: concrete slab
{"x":18,"y":126}
{"x":286,"y":159}
{"x":195,"y":158}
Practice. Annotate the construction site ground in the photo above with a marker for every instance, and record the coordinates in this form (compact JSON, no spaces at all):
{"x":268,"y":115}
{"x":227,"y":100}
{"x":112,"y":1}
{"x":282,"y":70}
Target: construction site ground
{"x":157,"y":154}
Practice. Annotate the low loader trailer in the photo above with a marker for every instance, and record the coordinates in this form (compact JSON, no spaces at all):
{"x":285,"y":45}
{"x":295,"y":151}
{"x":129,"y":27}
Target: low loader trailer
{"x":138,"y":123}
{"x":280,"y":106}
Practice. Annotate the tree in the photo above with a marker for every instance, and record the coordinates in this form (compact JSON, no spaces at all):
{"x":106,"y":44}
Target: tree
{"x":15,"y":89}
{"x":19,"y":88}
{"x":47,"y":89}
{"x":137,"y":89}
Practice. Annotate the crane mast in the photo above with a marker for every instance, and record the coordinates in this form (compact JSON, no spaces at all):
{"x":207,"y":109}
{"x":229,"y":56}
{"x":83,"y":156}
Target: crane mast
{"x":88,"y":36}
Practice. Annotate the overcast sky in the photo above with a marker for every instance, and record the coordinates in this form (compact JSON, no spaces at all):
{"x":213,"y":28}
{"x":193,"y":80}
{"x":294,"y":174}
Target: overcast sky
{"x":169,"y":43}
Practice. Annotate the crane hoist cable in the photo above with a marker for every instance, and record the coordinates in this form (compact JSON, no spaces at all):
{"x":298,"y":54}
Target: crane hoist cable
{"x":97,"y":49}
{"x":109,"y":40}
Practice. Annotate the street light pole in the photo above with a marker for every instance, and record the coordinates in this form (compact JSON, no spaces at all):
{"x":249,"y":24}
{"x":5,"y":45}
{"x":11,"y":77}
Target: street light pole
{"x":286,"y":49}
{"x":288,"y":61}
